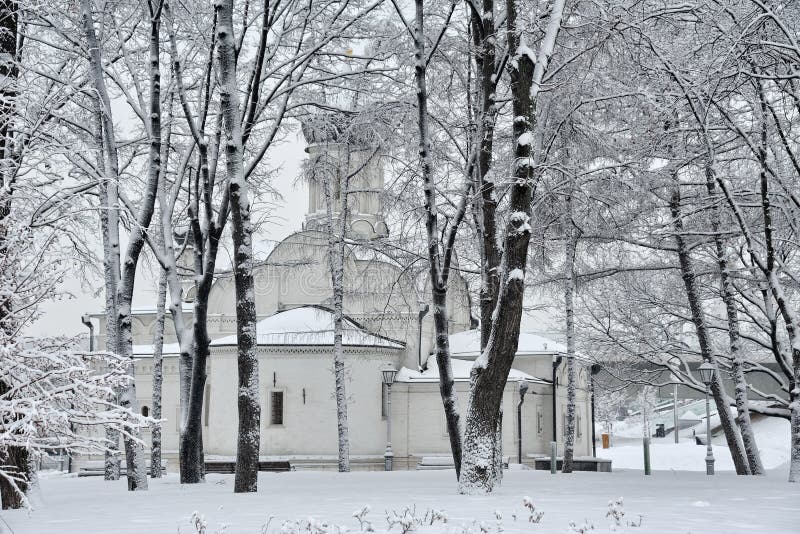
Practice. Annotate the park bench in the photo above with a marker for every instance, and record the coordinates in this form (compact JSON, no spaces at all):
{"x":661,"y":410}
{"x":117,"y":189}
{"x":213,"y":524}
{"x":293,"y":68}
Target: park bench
{"x":229,"y":466}
{"x":580,"y":463}
{"x":435,"y":463}
{"x":97,"y":469}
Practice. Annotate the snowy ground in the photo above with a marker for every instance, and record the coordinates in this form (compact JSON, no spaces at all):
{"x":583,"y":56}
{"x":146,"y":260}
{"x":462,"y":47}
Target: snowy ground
{"x":669,"y":502}
{"x":772,"y":438}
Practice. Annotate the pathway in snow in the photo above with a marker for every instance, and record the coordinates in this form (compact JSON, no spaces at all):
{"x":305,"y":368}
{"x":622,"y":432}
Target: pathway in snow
{"x":670,"y":502}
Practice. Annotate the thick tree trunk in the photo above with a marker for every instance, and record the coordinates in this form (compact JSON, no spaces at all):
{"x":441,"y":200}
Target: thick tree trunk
{"x":16,"y":460}
{"x":16,"y":463}
{"x":491,"y":368}
{"x":698,"y":318}
{"x":191,"y":457}
{"x":249,"y":436}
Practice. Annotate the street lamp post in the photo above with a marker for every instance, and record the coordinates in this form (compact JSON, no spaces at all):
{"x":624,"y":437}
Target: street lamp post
{"x":389,"y":373}
{"x":523,"y":389}
{"x":706,"y":375}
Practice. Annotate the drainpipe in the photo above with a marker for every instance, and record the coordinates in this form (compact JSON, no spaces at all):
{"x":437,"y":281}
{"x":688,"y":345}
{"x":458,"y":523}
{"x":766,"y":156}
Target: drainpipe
{"x":556,"y":363}
{"x":422,"y":313}
{"x":86,"y":319}
{"x":594,"y":370}
{"x":523,"y":389}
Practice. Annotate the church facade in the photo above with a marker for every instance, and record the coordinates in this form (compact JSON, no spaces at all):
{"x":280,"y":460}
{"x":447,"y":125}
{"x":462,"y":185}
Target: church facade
{"x":386,"y":325}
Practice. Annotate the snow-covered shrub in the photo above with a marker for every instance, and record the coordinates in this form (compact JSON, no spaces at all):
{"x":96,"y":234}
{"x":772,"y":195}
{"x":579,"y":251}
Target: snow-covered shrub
{"x":534,"y":516}
{"x":583,"y":528}
{"x":52,"y":395}
{"x":616,"y":511}
{"x":364,"y":525}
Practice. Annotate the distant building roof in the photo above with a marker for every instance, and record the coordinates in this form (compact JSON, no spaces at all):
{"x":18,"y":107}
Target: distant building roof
{"x":311,"y":325}
{"x":168,"y":349}
{"x":468,"y":344}
{"x":461,"y":372}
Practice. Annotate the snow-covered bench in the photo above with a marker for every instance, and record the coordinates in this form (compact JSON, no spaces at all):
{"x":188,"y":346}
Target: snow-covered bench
{"x":97,"y":469}
{"x":229,"y":466}
{"x":434,"y":463}
{"x":580,"y":463}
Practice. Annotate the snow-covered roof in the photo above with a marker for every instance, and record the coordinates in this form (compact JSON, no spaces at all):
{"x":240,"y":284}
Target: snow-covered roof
{"x":311,"y":325}
{"x":147,"y":350}
{"x":461,"y":372}
{"x":468,"y":344}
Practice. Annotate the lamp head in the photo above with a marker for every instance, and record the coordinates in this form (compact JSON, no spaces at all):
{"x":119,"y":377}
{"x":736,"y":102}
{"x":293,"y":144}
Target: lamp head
{"x":706,"y":372}
{"x":389,"y":373}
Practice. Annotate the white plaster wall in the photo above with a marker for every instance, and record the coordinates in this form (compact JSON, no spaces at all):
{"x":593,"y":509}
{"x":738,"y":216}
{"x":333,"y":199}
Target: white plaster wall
{"x":309,"y":428}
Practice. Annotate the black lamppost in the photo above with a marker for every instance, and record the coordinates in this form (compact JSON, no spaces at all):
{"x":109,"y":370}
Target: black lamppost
{"x":707,"y":375}
{"x":422,"y":313}
{"x":389,"y":373}
{"x":523,"y":389}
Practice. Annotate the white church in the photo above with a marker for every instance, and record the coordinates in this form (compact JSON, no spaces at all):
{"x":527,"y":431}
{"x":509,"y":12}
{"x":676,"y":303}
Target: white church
{"x":387,"y":326}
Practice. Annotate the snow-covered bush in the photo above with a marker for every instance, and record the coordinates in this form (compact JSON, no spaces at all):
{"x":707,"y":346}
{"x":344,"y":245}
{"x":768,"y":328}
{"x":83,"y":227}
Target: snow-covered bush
{"x":534,"y":516}
{"x":53,"y":397}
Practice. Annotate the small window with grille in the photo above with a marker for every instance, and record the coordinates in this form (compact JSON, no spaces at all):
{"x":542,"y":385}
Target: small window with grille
{"x":539,"y":421}
{"x":276,"y":408}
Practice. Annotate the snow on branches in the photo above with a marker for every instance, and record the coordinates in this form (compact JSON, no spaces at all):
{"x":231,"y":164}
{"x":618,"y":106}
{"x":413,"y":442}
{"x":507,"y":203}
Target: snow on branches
{"x":53,"y":397}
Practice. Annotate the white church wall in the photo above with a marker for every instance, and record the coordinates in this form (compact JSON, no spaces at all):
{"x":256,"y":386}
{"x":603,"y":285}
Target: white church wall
{"x":309,"y":425}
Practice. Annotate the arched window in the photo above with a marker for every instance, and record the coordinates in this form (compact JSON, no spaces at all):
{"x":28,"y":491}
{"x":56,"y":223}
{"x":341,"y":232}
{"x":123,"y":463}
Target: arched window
{"x":146,"y":411}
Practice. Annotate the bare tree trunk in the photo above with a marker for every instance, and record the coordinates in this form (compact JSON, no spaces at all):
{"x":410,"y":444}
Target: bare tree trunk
{"x":768,"y":268}
{"x":333,"y":180}
{"x":488,"y":76}
{"x":698,"y":318}
{"x":734,"y":338}
{"x":249,"y":409}
{"x":16,"y":460}
{"x":158,"y":377}
{"x":569,"y":310}
{"x":491,"y":368}
{"x":439,"y":268}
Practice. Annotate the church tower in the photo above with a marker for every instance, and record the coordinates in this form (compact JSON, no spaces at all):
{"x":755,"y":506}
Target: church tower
{"x":344,"y":148}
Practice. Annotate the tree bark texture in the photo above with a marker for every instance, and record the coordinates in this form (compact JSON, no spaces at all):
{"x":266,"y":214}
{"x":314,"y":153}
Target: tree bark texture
{"x":158,"y":377}
{"x":491,"y":368}
{"x":569,"y":311}
{"x":439,"y":267}
{"x":249,"y":436}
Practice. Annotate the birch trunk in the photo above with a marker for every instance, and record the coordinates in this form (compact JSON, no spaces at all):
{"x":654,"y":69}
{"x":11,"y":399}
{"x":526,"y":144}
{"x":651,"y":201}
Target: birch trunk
{"x":249,"y":409}
{"x":109,"y":218}
{"x":734,"y":339}
{"x":336,"y":230}
{"x":703,"y":338}
{"x":158,"y":377}
{"x":438,"y":267}
{"x":569,"y":310}
{"x":768,"y":268}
